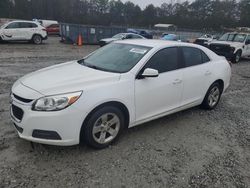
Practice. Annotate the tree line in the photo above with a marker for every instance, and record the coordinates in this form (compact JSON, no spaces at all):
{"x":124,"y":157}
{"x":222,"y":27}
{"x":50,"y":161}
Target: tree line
{"x":198,"y":14}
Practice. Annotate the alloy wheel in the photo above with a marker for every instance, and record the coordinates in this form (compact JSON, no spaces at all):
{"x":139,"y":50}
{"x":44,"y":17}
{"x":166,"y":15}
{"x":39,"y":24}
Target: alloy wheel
{"x":37,"y":40}
{"x":214,"y":96}
{"x":106,"y":128}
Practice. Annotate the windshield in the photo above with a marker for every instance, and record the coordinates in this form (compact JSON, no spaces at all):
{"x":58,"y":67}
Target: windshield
{"x":116,"y":57}
{"x":118,"y":36}
{"x":233,"y":37}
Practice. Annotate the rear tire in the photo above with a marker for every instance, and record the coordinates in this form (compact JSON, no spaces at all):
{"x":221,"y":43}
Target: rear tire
{"x":37,"y":39}
{"x":103,"y":127}
{"x":212,"y":97}
{"x":237,"y":57}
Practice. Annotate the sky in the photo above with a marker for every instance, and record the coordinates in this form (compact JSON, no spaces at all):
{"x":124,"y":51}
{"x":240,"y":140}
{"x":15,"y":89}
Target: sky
{"x":144,"y":3}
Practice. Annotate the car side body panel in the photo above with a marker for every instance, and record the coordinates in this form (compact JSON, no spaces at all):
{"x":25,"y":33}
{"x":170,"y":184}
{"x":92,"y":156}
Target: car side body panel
{"x":146,"y":99}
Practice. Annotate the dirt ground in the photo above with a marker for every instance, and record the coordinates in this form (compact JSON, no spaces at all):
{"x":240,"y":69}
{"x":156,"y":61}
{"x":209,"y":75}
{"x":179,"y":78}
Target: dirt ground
{"x":193,"y":148}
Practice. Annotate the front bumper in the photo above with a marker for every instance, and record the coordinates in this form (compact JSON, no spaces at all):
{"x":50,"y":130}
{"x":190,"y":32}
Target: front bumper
{"x":223,"y":50}
{"x":228,"y":55}
{"x":52,"y":128}
{"x":46,"y":37}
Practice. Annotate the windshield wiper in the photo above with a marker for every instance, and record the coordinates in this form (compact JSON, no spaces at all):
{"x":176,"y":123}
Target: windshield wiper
{"x":82,"y":62}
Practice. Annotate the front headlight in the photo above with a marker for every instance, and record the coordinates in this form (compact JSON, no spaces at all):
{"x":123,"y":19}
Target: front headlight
{"x":56,"y":102}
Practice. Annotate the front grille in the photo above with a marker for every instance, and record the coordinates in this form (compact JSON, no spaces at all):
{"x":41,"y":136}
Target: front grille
{"x":220,"y":49}
{"x":200,"y":41}
{"x":17,"y":112}
{"x":22,"y":99}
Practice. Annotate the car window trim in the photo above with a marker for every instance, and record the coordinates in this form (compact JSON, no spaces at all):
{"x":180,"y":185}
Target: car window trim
{"x":179,"y":61}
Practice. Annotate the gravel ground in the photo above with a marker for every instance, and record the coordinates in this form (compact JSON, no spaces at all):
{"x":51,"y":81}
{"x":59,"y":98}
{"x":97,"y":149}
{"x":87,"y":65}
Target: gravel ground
{"x":193,"y":148}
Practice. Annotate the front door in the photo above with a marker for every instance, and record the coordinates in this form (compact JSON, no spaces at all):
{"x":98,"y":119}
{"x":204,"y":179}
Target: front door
{"x":156,"y":96}
{"x":10,"y":32}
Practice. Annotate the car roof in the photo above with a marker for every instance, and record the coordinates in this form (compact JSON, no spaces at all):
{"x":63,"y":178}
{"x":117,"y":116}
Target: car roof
{"x":153,"y":43}
{"x":26,"y":21}
{"x":158,"y":44}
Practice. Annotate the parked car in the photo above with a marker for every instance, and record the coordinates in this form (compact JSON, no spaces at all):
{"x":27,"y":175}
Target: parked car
{"x":144,"y":33}
{"x":233,"y":46}
{"x":170,"y":37}
{"x":45,"y":23}
{"x":205,"y":40}
{"x":53,"y":29}
{"x":23,"y":31}
{"x":123,"y":84}
{"x":120,"y":36}
{"x":174,"y":37}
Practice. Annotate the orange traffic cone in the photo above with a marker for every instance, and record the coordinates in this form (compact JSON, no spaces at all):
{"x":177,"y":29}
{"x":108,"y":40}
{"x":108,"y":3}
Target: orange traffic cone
{"x":79,"y":40}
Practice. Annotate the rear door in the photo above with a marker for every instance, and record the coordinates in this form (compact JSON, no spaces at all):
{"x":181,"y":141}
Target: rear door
{"x":27,"y":29}
{"x":154,"y":96}
{"x":196,"y":75}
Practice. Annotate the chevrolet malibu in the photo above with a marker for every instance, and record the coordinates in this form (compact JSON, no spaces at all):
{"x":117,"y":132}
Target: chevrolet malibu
{"x":119,"y":86}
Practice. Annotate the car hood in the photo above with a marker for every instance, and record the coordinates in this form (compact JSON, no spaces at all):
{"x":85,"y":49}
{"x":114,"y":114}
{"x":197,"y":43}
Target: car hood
{"x":232,"y":44}
{"x":66,"y":77}
{"x":108,"y":40}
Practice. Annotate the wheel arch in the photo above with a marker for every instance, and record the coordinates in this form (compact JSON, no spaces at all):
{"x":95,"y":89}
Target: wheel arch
{"x":35,"y":35}
{"x":221,"y":83}
{"x":239,"y":50}
{"x":117,"y":104}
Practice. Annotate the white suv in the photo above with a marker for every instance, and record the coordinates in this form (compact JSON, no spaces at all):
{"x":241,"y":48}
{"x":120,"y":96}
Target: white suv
{"x":23,"y":31}
{"x":122,"y":84}
{"x":233,"y":46}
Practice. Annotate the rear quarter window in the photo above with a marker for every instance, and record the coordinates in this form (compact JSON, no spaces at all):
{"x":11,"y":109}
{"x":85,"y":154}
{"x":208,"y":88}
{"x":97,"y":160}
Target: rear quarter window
{"x":205,"y":58}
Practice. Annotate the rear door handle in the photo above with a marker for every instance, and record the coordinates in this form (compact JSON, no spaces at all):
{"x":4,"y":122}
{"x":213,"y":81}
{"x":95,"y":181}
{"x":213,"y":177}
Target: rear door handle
{"x":207,"y":73}
{"x":177,"y":81}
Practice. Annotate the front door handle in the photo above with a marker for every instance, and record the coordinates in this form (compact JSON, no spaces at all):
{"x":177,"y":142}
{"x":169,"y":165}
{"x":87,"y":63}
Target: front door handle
{"x":207,"y":73}
{"x":177,"y":81}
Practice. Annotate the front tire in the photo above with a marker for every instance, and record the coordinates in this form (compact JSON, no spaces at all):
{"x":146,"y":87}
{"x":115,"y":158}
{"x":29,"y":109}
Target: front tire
{"x":103,"y":127}
{"x":37,"y":39}
{"x":212,"y":97}
{"x":236,"y":57}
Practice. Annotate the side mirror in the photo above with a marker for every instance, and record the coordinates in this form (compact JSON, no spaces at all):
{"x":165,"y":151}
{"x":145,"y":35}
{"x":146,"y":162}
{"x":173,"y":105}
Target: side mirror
{"x":247,"y":41}
{"x":148,"y":72}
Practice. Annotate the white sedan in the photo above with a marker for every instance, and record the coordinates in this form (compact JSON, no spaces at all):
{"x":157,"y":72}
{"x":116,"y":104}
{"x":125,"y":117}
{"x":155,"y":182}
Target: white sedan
{"x":121,"y":85}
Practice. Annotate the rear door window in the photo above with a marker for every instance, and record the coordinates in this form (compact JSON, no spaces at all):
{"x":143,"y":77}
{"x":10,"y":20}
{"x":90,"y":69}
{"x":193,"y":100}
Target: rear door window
{"x":27,"y":25}
{"x":192,"y":56}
